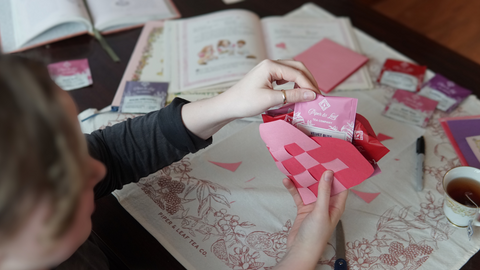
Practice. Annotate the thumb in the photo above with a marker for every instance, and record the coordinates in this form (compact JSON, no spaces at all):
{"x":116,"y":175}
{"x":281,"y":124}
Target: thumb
{"x":299,"y":95}
{"x":324,"y":188}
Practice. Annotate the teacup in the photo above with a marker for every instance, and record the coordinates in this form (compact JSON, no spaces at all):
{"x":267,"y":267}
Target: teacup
{"x":457,"y":213}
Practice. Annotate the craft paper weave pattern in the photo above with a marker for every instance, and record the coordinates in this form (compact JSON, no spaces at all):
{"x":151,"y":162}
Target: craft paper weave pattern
{"x":304,"y":159}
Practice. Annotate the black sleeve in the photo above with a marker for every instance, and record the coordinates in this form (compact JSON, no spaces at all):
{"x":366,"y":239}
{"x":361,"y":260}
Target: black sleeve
{"x":140,"y":146}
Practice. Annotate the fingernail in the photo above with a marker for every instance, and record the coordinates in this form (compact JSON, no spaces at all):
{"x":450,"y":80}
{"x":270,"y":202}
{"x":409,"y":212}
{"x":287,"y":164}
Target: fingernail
{"x":309,"y":95}
{"x":328,"y":176}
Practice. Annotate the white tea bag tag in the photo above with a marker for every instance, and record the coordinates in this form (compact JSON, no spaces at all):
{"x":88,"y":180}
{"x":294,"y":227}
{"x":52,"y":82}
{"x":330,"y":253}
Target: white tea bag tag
{"x":399,"y":80}
{"x":400,"y":112}
{"x":142,"y":104}
{"x":444,"y":101}
{"x":73,"y":81}
{"x":321,"y":132}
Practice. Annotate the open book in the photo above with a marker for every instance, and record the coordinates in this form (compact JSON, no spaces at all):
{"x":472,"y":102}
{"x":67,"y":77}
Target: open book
{"x":28,"y":23}
{"x":213,"y":51}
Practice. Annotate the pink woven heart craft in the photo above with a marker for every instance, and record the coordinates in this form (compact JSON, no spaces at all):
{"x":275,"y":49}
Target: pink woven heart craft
{"x":304,"y":159}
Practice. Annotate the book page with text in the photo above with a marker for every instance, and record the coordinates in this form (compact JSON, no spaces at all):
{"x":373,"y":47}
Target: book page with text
{"x":219,"y":47}
{"x":285,"y":38}
{"x":30,"y":17}
{"x":110,"y":13}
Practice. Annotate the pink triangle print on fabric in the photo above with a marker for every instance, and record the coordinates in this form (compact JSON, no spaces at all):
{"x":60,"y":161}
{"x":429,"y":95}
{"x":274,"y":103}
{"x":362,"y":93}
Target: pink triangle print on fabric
{"x":229,"y":166}
{"x":367,"y":197}
{"x":382,"y":137}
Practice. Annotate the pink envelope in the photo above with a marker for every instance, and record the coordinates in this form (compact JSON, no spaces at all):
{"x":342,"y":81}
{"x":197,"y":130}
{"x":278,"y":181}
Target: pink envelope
{"x":330,"y":63}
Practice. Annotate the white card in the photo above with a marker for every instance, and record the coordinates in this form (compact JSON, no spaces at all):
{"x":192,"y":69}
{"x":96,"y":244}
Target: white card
{"x":444,"y":101}
{"x":71,"y":82}
{"x":474,"y":143}
{"x":399,"y":80}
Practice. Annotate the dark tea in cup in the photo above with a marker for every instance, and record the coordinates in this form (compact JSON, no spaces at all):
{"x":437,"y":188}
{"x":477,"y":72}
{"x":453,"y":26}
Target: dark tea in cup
{"x":462,"y":188}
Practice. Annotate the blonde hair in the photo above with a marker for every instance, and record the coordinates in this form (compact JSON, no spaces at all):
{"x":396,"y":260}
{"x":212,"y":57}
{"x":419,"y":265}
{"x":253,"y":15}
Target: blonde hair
{"x":39,"y":150}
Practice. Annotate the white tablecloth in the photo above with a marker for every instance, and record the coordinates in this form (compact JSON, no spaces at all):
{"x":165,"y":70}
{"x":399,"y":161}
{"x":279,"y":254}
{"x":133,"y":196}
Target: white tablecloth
{"x":211,"y":218}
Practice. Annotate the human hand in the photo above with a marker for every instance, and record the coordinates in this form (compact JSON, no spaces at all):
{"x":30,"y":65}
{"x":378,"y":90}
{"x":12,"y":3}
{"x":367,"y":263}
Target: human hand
{"x":254,"y":94}
{"x":313,"y":225}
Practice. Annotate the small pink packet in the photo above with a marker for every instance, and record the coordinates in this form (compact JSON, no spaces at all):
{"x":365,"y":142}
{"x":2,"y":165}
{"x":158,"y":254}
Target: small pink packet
{"x":402,"y":75}
{"x":327,"y":117}
{"x":70,"y":75}
{"x":410,"y":108}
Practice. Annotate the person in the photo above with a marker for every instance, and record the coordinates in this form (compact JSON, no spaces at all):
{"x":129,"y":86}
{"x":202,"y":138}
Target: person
{"x":50,"y":173}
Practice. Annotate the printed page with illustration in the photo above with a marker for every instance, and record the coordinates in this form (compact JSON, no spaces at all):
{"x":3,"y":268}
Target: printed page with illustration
{"x":215,"y":49}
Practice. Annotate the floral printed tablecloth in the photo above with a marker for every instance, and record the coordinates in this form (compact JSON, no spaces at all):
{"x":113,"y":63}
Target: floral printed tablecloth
{"x":212,"y":218}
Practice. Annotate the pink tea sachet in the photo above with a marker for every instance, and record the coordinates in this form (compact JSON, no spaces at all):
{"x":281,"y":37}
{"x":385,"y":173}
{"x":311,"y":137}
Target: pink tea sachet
{"x":70,"y":75}
{"x":327,"y":117}
{"x":330,"y":63}
{"x":410,"y":108}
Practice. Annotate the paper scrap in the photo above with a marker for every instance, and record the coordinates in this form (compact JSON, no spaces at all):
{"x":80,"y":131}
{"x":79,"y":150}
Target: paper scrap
{"x":367,"y":197}
{"x":382,"y":137}
{"x":229,"y":166}
{"x":249,"y":180}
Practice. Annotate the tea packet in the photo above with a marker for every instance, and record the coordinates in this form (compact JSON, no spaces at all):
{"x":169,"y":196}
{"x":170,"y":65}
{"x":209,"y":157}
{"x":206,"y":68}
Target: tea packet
{"x":410,"y":108}
{"x":448,"y":94}
{"x":402,"y":75}
{"x":327,"y":117}
{"x":143,"y":97}
{"x":70,"y":75}
{"x":365,"y":140}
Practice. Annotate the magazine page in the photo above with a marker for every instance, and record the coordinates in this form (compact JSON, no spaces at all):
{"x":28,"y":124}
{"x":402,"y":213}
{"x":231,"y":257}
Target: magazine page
{"x":287,"y":37}
{"x":110,"y":14}
{"x":218,"y":48}
{"x":29,"y":18}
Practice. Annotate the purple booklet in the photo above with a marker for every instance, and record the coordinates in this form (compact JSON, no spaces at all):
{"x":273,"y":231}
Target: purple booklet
{"x":448,"y":94}
{"x":463,"y":131}
{"x":143,"y":97}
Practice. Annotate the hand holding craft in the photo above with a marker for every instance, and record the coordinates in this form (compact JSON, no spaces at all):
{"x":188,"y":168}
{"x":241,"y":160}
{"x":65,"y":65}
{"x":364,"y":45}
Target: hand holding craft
{"x":313,"y":225}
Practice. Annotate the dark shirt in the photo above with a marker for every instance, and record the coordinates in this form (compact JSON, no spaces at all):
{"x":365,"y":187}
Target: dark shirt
{"x":131,"y":150}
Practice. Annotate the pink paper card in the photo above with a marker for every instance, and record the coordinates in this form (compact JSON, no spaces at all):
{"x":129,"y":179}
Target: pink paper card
{"x":410,"y":108}
{"x":330,"y":63}
{"x":70,"y":75}
{"x":326,"y":117}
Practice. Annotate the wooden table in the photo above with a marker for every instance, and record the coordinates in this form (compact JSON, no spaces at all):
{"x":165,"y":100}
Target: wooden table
{"x":123,"y":239}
